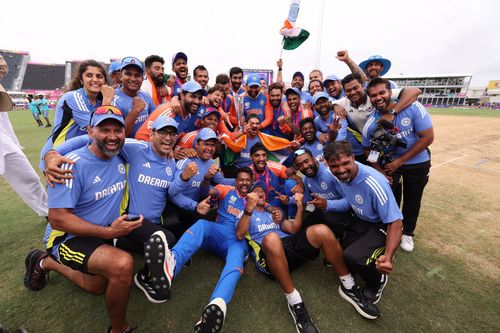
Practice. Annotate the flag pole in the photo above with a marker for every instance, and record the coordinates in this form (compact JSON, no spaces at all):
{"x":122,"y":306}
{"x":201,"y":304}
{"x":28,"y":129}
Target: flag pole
{"x":320,"y":34}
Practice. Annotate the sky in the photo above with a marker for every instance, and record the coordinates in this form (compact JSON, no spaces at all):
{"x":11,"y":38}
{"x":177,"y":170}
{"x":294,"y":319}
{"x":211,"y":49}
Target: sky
{"x":419,"y":37}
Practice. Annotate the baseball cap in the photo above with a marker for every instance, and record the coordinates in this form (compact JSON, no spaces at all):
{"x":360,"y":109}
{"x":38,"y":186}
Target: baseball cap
{"x":331,"y":78}
{"x":115,"y":66}
{"x":206,"y":134}
{"x":260,"y":184}
{"x":298,"y":74}
{"x":5,"y":100}
{"x":164,"y":121}
{"x":385,"y":62}
{"x":106,"y":112}
{"x":319,"y":95}
{"x":293,"y":90}
{"x":131,"y":61}
{"x":209,"y":110}
{"x":253,"y":80}
{"x":179,"y":55}
{"x":192,"y":87}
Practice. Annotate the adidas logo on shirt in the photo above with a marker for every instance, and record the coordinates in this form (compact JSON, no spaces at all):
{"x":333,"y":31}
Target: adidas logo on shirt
{"x":147,"y":165}
{"x":96,"y":180}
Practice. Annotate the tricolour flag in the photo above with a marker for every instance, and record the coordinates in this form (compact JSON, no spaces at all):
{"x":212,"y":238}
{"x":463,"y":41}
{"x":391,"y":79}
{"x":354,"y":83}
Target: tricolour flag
{"x":293,"y":36}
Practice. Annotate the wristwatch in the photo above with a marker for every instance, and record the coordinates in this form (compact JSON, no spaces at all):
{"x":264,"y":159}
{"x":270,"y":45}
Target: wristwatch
{"x":392,"y":112}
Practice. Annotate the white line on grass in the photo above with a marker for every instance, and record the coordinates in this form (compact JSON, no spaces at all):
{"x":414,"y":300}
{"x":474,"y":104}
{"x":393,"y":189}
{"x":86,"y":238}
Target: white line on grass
{"x":449,"y":161}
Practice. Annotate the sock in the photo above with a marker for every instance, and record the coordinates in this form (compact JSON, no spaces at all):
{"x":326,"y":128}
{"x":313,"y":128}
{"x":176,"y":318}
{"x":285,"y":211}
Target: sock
{"x":294,"y":297}
{"x":347,"y":281}
{"x":41,"y":264}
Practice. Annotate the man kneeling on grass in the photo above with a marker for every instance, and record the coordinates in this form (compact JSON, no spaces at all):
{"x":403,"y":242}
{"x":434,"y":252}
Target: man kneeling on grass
{"x":281,"y":246}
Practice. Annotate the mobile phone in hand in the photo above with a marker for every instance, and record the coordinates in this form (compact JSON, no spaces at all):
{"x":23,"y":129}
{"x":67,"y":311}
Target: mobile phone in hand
{"x":132,"y":217}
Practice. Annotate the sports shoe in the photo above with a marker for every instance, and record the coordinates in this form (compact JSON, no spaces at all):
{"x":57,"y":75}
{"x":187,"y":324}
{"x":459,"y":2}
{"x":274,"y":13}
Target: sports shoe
{"x":212,"y":318}
{"x":303,"y":322}
{"x":407,"y":243}
{"x":129,"y":329}
{"x":142,"y":281}
{"x":361,"y":303}
{"x":374,"y":294}
{"x":160,"y":262}
{"x":34,"y":278}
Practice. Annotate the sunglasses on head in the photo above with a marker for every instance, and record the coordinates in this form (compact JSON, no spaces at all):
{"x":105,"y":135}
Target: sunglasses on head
{"x":106,"y":109}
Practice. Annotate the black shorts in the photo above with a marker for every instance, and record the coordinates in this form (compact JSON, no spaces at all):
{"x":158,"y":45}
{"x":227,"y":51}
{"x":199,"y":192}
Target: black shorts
{"x":76,"y":251}
{"x":297,"y":250}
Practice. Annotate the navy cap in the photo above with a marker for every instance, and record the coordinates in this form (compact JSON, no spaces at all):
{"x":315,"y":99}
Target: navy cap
{"x":298,"y":74}
{"x":260,"y":184}
{"x":192,"y":87}
{"x":253,"y":80}
{"x":131,"y":61}
{"x":106,"y":112}
{"x":115,"y":66}
{"x":179,"y":55}
{"x":319,"y":95}
{"x":164,"y":121}
{"x":331,"y":78}
{"x":385,"y":62}
{"x":206,"y":134}
{"x":293,"y":90}
{"x":209,"y":110}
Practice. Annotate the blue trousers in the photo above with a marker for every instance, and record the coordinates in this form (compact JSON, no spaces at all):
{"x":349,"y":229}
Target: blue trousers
{"x":221,"y":241}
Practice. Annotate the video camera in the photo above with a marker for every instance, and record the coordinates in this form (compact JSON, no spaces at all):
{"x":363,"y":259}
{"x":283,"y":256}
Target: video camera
{"x":383,"y":142}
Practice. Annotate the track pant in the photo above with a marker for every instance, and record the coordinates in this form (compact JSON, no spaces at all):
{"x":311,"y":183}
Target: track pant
{"x":25,"y":181}
{"x":135,"y":240}
{"x":221,"y":241}
{"x":414,"y":177}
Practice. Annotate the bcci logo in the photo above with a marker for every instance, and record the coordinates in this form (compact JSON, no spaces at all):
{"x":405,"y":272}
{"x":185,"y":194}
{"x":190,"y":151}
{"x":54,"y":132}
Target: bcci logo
{"x":359,"y":199}
{"x":121,"y":169}
{"x":232,"y":199}
{"x":319,"y":147}
{"x":261,"y":102}
{"x":323,"y":186}
{"x":168,"y":171}
{"x":247,"y":105}
{"x":405,"y":121}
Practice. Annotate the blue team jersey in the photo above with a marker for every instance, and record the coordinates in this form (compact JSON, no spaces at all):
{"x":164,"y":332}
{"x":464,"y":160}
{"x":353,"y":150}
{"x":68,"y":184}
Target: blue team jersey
{"x":255,"y":105}
{"x":177,"y":87}
{"x":124,"y":103}
{"x":409,"y":121}
{"x":261,"y":224}
{"x":305,"y":97}
{"x":316,"y":149}
{"x":322,"y":126}
{"x":371,"y":197}
{"x":94,"y":194}
{"x":274,"y":128}
{"x":243,"y":158}
{"x":187,"y":194}
{"x":231,"y":205}
{"x":326,"y":186}
{"x":72,"y":116}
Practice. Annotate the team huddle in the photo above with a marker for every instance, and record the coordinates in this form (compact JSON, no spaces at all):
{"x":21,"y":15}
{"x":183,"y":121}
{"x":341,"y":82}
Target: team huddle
{"x":163,"y":166}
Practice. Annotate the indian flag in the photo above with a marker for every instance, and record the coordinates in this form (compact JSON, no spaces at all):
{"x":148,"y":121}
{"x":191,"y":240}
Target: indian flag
{"x":293,"y":36}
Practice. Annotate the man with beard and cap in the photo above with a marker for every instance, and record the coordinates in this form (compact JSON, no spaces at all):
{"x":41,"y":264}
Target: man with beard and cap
{"x":376,"y":66}
{"x":191,"y":175}
{"x":135,"y":104}
{"x":180,"y":68}
{"x":373,"y":235}
{"x":330,"y":127}
{"x":150,"y":173}
{"x":255,"y":102}
{"x":219,"y":239}
{"x":154,"y":83}
{"x":280,"y":246}
{"x":407,"y":163}
{"x":14,"y":166}
{"x":190,"y":101}
{"x":84,"y":218}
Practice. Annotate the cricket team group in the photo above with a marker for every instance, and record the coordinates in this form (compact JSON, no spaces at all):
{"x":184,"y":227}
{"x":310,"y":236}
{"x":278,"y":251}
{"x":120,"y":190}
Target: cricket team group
{"x":161,"y":166}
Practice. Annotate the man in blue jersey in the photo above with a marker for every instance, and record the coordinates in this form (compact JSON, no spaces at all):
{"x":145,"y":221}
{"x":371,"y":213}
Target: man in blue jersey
{"x":408,"y":160}
{"x":329,"y":126}
{"x":219,"y":239}
{"x":374,"y":233}
{"x":308,"y":133}
{"x":280,"y":246}
{"x":84,"y":219}
{"x":136,"y":104}
{"x":192,"y":175}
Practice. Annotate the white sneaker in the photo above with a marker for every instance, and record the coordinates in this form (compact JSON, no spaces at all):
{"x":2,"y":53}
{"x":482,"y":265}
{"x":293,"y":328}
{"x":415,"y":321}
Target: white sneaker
{"x":407,"y":243}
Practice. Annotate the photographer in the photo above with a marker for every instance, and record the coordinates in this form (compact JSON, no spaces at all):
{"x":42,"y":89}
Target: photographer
{"x":399,"y":149}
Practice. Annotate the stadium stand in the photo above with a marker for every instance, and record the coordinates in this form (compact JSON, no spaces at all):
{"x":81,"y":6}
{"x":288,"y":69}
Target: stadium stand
{"x":17,"y":62}
{"x":437,"y":89}
{"x":44,"y":76}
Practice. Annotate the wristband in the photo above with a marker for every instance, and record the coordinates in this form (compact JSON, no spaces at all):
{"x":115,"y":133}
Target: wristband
{"x":247,"y":212}
{"x":279,"y":68}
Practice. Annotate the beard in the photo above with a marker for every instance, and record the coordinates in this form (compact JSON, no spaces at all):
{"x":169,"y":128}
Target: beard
{"x":108,"y":153}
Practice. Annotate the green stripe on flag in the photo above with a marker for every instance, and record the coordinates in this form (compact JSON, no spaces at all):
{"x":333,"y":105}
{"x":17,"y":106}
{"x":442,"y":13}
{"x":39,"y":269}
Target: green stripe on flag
{"x":291,"y":43}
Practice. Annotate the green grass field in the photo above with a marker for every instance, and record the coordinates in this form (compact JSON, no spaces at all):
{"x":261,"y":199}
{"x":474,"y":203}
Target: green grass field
{"x":450,"y":283}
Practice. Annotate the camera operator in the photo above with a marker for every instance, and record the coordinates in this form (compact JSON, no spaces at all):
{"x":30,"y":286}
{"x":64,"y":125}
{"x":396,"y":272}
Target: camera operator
{"x":399,"y":149}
